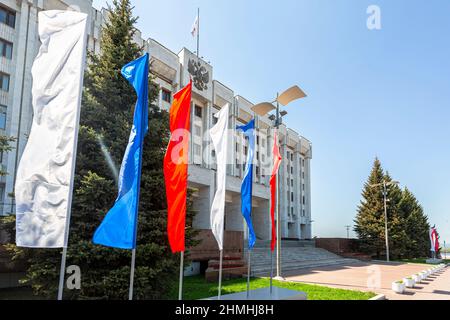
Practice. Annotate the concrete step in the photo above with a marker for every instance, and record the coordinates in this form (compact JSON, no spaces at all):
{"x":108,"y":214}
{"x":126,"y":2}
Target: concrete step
{"x":295,"y":258}
{"x":265,"y":270}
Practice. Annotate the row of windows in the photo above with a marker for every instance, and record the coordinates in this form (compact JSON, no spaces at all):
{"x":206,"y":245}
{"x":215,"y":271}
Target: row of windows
{"x":303,"y":212}
{"x":6,"y":49}
{"x":290,"y":197}
{"x":7,"y":17}
{"x":291,"y":156}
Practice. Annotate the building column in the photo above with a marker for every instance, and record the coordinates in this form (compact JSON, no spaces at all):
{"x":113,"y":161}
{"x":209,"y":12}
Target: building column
{"x":21,"y":107}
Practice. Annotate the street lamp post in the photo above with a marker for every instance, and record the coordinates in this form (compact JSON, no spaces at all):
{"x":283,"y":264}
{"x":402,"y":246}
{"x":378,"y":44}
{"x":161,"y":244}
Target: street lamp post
{"x":385,"y":184}
{"x":262,"y":109}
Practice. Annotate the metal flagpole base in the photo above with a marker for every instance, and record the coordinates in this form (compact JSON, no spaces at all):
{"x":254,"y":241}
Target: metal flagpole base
{"x":220,"y":275}
{"x":271,"y":272}
{"x":62,"y":273}
{"x":180,"y":292}
{"x":133,"y":261}
{"x":249,"y":272}
{"x":279,"y":278}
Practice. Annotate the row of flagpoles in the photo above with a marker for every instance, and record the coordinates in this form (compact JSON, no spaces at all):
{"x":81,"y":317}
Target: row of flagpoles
{"x":45,"y":175}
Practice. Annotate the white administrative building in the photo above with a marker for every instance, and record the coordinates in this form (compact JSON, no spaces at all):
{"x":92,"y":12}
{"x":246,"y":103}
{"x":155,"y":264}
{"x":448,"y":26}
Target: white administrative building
{"x":18,"y":47}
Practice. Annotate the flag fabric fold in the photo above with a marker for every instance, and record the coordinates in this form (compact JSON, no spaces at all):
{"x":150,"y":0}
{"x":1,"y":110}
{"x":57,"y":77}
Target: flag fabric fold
{"x":119,"y":227}
{"x":176,"y":168}
{"x":247,"y":183}
{"x":219,"y":136}
{"x":44,"y":180}
{"x":273,"y":188}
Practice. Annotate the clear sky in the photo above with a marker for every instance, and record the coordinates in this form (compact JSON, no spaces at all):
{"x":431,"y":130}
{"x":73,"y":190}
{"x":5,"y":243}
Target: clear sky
{"x":382,"y":93}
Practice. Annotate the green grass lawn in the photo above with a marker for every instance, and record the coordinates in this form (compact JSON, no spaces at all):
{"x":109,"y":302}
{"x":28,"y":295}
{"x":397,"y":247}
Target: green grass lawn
{"x":197,"y":288}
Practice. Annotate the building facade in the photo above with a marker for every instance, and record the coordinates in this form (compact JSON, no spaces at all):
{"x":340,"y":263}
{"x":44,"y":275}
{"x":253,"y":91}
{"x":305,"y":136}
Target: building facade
{"x":19,"y":45}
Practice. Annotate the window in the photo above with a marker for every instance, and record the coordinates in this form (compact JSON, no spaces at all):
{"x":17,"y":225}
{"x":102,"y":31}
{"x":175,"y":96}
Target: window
{"x":2,"y":117}
{"x":214,"y":120}
{"x":166,"y":95}
{"x":292,"y":211}
{"x":292,"y":157}
{"x":257,"y":140}
{"x":304,"y":200}
{"x":257,"y":155}
{"x":6,"y":49}
{"x":303,"y":187}
{"x":4,"y":81}
{"x":213,"y":153}
{"x":292,"y":197}
{"x":292,"y":182}
{"x":303,"y":162}
{"x":198,"y":111}
{"x":303,"y":174}
{"x":245,"y":150}
{"x":7,"y":17}
{"x":292,"y":170}
{"x":303,"y":213}
{"x":197,"y":130}
{"x":257,"y":170}
{"x":197,"y":150}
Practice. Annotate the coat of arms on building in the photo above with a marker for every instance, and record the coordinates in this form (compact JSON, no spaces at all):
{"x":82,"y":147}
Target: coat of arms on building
{"x":200,"y":76}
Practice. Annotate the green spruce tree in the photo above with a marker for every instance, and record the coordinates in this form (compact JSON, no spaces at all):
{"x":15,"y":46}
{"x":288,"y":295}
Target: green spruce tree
{"x":370,"y":218}
{"x":106,"y":120}
{"x":416,"y":226}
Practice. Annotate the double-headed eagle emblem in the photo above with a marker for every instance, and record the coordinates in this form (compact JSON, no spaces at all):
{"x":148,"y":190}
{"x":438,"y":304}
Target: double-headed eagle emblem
{"x":200,"y":75}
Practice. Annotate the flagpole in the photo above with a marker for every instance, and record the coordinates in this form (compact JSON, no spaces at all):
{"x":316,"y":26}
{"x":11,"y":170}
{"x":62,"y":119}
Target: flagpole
{"x":62,"y":273}
{"x":271,"y":272}
{"x":198,"y":33}
{"x":220,"y":275}
{"x":248,"y":272}
{"x":180,"y":289}
{"x":133,"y":263}
{"x":62,"y":270}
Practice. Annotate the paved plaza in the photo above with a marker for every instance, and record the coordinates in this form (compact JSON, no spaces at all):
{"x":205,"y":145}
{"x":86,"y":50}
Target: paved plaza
{"x":377,"y":277}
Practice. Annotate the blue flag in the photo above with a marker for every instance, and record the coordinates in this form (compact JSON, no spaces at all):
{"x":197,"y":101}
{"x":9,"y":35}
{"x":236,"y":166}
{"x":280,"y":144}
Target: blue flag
{"x":247,"y":183}
{"x":118,"y":229}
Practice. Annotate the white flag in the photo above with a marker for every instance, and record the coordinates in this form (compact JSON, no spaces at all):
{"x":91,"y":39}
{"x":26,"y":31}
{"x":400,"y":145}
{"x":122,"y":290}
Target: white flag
{"x":194,"y":30}
{"x":219,"y":136}
{"x":46,"y":169}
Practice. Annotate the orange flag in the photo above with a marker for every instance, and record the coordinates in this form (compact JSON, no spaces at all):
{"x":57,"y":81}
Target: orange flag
{"x":273,"y":188}
{"x":176,"y":168}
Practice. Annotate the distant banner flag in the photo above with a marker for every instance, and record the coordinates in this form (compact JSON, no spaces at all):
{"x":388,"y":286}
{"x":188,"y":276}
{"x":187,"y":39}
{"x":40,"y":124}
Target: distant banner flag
{"x":118,"y":229}
{"x":45,"y":174}
{"x":194,"y":29}
{"x":247,"y":183}
{"x":176,"y":168}
{"x":273,"y":188}
{"x":434,"y":240}
{"x":219,"y":136}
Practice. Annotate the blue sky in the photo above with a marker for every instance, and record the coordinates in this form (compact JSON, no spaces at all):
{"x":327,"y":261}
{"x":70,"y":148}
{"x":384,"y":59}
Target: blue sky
{"x":373,"y":93}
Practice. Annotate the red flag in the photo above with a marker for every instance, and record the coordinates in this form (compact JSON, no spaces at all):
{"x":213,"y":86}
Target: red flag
{"x":176,"y":168}
{"x":273,"y":188}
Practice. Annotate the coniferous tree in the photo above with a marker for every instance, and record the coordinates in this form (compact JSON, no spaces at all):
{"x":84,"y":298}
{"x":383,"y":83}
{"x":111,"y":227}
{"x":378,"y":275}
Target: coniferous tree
{"x":106,"y":120}
{"x":416,"y":226}
{"x":370,"y":218}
